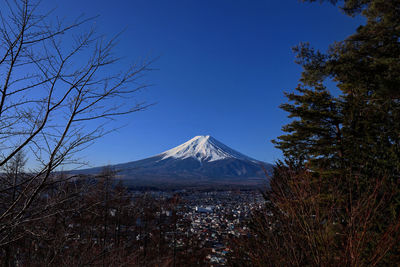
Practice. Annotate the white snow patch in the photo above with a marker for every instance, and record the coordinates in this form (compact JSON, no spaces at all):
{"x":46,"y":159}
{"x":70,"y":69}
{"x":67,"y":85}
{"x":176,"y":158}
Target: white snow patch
{"x":204,"y":149}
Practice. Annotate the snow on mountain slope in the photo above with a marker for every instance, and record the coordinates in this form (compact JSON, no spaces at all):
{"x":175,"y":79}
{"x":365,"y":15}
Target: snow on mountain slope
{"x":201,"y":161}
{"x":204,"y":149}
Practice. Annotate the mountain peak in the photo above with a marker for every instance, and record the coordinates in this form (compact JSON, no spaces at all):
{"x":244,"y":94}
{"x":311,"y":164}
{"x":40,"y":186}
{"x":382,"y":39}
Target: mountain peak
{"x":216,"y":165}
{"x":204,"y":148}
{"x":203,"y":137}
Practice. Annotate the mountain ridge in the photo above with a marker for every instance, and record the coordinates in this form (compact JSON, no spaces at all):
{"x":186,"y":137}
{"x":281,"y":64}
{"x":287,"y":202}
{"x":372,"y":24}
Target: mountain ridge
{"x":203,"y":148}
{"x":201,"y":160}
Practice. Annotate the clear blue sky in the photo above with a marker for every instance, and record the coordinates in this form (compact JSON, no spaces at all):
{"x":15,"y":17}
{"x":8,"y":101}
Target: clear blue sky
{"x":223,"y":68}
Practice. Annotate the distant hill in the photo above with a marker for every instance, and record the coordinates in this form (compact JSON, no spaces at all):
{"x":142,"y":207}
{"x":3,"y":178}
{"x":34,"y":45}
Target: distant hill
{"x":201,"y":161}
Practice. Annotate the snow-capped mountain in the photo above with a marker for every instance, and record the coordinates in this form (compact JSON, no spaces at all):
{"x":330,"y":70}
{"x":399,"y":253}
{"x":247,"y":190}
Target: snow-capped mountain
{"x":204,"y":148}
{"x":201,"y":160}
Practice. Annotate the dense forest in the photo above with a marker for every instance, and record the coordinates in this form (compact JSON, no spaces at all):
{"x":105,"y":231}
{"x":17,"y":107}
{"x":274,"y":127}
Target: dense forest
{"x":334,"y":200}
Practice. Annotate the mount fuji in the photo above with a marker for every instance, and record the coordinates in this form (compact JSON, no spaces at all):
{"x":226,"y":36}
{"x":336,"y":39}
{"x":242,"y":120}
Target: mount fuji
{"x":202,"y":160}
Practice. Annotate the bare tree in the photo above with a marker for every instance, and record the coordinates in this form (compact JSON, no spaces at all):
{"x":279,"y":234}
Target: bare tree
{"x":58,"y":89}
{"x":307,"y":221}
{"x":14,"y":173}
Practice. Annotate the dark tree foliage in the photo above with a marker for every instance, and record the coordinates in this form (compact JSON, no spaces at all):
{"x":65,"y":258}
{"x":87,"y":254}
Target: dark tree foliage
{"x":350,"y":7}
{"x":357,"y":131}
{"x":304,"y":222}
{"x":98,"y":222}
{"x":336,"y":201}
{"x":361,"y":125}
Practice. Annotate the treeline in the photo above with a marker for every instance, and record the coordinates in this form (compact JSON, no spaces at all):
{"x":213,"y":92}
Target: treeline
{"x":94,"y":222}
{"x":335,"y":199}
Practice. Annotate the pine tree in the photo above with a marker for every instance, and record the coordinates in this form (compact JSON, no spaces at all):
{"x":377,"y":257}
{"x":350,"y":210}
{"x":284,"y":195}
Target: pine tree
{"x":342,"y":152}
{"x":357,"y":131}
